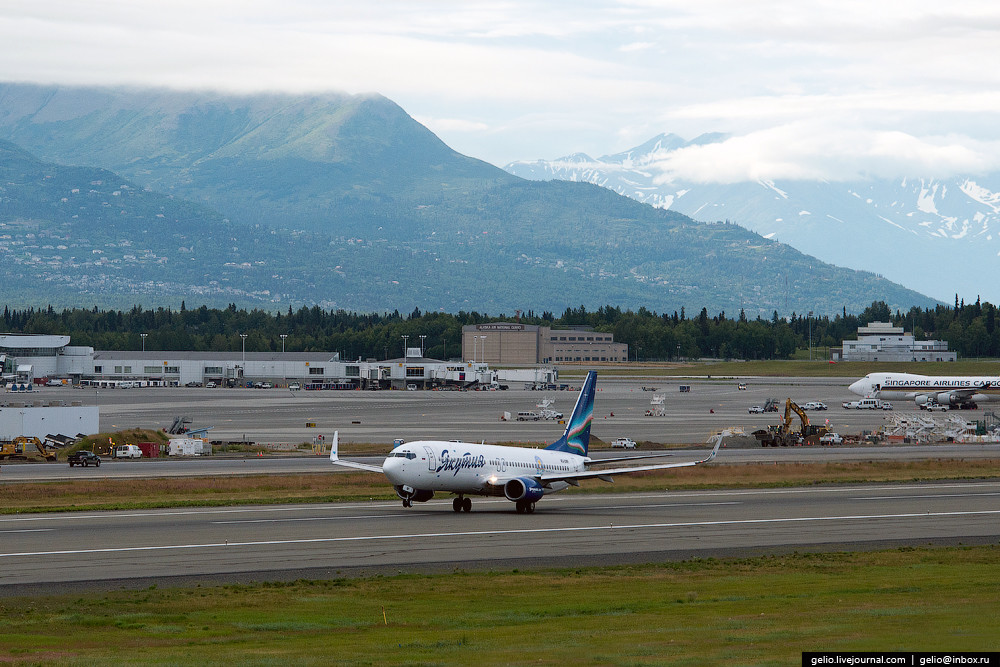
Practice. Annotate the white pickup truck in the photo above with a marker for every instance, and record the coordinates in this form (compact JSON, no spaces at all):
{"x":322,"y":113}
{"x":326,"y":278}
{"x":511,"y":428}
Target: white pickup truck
{"x":623,"y":443}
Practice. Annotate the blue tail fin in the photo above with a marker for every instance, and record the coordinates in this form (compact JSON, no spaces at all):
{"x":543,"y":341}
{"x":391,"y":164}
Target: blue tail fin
{"x":576,"y":439}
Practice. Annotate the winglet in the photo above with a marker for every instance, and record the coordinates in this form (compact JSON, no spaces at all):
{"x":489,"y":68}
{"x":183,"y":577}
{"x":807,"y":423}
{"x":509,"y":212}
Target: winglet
{"x":333,"y":447}
{"x":715,"y":450}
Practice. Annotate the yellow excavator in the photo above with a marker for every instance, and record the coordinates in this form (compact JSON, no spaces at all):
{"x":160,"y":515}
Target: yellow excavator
{"x":782,"y":435}
{"x":18,"y":448}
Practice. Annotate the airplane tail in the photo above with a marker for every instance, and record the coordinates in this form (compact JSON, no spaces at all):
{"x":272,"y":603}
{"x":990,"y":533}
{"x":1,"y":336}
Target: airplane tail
{"x":576,"y":439}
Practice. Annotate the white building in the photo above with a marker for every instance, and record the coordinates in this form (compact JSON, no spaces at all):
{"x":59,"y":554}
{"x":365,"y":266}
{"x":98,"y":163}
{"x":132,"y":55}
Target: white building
{"x":53,"y":357}
{"x":33,"y":418}
{"x":880,"y":341}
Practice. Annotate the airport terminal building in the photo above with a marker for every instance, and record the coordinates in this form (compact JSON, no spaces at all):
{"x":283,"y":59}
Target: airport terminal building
{"x":28,"y":358}
{"x":513,"y":344}
{"x":880,"y":341}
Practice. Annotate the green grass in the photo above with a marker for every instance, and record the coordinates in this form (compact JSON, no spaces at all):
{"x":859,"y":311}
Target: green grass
{"x":760,"y":611}
{"x":129,"y":494}
{"x":815,"y":368}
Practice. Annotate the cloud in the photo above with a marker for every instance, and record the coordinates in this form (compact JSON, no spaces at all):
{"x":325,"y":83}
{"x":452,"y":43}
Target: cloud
{"x":814,"y":151}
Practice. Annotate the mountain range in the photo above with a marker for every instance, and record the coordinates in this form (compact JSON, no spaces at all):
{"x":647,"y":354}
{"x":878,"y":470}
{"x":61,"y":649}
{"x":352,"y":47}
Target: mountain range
{"x":122,"y":196}
{"x":915,"y":230}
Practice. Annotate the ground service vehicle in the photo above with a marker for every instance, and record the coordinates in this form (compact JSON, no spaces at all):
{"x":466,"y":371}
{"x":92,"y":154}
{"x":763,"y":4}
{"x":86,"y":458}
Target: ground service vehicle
{"x":864,"y":404}
{"x":19,"y":448}
{"x":831,"y":439}
{"x":126,"y":452}
{"x":83,"y":458}
{"x":782,"y":434}
{"x":623,"y":443}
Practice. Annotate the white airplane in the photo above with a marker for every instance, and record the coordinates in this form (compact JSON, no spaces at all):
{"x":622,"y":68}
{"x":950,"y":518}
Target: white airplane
{"x":956,"y":391}
{"x":418,"y":469}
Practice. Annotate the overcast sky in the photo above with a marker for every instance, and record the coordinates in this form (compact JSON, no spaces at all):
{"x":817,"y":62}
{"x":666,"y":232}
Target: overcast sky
{"x":807,"y":89}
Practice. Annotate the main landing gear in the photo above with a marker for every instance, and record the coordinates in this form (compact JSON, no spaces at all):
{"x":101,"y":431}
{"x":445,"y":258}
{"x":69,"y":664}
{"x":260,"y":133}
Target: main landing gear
{"x":462,"y":504}
{"x":525,"y":506}
{"x":407,"y":502}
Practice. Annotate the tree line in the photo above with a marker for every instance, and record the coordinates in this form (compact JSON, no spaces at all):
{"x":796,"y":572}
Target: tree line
{"x":971,"y":330}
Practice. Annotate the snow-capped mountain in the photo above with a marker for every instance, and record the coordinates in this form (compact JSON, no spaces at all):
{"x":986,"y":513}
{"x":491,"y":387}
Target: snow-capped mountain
{"x":915,"y":231}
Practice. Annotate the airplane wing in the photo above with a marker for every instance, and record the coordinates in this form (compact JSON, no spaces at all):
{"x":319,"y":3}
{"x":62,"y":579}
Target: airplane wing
{"x":634,"y":457}
{"x":335,"y":459}
{"x":606,"y":473}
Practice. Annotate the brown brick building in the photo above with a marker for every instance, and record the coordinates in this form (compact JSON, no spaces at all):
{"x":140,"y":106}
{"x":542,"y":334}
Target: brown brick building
{"x":513,"y":343}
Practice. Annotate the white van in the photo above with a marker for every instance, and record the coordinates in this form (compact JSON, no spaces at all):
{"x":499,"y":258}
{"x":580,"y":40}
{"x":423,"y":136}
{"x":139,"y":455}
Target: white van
{"x":126,"y":452}
{"x":527,"y":416}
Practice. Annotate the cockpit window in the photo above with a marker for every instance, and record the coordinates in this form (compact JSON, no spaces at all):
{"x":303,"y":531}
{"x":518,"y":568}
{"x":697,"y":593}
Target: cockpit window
{"x":404,"y":455}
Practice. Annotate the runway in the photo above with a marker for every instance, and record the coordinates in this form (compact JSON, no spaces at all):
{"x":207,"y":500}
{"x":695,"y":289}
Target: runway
{"x":65,"y":552}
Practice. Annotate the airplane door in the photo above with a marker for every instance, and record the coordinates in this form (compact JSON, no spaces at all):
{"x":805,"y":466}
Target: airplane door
{"x":503,"y":465}
{"x":431,"y":461}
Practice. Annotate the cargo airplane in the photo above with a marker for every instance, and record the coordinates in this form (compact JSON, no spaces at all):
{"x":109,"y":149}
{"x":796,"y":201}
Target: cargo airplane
{"x":418,"y":469}
{"x":963,"y":391}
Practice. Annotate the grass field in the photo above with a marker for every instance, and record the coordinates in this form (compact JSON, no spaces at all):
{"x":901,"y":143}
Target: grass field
{"x":794,"y":368}
{"x":760,"y":611}
{"x":110,"y":494}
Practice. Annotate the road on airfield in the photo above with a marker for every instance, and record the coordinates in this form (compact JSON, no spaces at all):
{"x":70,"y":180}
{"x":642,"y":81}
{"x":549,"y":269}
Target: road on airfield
{"x":65,"y":552}
{"x":274,"y":416}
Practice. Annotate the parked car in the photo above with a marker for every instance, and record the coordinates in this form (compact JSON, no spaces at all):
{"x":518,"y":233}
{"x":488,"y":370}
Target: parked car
{"x":756,"y":410}
{"x":266,"y":385}
{"x":831,"y":439}
{"x":814,"y":405}
{"x":295,"y":386}
{"x":211,"y":385}
{"x":83,"y":458}
{"x":623,"y":443}
{"x":886,"y":405}
{"x":741,"y":386}
{"x":934,"y":407}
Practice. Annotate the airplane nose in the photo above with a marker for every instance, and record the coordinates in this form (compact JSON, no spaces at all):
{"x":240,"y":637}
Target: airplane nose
{"x":392,"y":467}
{"x":856,"y":387}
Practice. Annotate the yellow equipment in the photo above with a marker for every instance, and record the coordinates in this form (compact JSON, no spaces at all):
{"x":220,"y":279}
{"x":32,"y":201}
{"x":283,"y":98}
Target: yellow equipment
{"x":18,"y":448}
{"x":782,"y":435}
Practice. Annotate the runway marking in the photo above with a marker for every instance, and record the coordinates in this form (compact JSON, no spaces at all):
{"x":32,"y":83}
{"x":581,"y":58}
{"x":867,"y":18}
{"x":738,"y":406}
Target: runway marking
{"x":310,"y":518}
{"x":118,"y":515}
{"x":516,"y":531}
{"x":383,"y":516}
{"x":29,"y":530}
{"x":926,"y":495}
{"x":707,"y":504}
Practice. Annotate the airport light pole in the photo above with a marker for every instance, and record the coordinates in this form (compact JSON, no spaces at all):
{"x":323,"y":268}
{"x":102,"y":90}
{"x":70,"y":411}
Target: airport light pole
{"x":810,"y":316}
{"x":282,"y":337}
{"x":422,"y":345}
{"x":244,"y":337}
{"x":143,"y":337}
{"x":405,"y":338}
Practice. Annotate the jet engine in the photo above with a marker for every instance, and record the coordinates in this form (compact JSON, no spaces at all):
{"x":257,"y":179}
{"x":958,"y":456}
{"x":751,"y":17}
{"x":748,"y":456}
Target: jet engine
{"x":523,"y":488}
{"x":415,"y":495}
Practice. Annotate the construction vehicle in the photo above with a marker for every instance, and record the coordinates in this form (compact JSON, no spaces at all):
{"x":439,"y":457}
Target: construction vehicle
{"x":782,"y":435}
{"x":18,"y":448}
